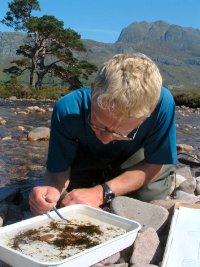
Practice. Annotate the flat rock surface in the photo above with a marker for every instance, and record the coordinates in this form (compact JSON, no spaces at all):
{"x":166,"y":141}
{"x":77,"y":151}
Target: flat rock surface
{"x":148,"y":215}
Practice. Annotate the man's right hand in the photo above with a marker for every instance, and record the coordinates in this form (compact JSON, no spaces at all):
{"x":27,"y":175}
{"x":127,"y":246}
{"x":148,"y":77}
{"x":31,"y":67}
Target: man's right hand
{"x":43,"y":198}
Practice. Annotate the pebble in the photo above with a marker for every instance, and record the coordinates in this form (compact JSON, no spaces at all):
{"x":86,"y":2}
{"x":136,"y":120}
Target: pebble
{"x":6,"y":138}
{"x":21,"y":128}
{"x":2,"y":121}
{"x":184,"y":148}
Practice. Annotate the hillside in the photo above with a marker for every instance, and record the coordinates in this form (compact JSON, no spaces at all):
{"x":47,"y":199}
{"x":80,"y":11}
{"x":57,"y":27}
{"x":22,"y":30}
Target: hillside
{"x":175,"y":49}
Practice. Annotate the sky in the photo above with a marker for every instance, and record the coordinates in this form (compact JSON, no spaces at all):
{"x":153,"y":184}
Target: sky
{"x":103,"y":20}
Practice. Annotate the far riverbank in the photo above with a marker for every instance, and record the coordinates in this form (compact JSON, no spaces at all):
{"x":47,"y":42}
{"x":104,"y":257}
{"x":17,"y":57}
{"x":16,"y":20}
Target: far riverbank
{"x":183,"y":97}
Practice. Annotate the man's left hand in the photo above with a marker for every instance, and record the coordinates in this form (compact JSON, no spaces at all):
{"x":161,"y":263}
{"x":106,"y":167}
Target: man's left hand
{"x":89,"y":196}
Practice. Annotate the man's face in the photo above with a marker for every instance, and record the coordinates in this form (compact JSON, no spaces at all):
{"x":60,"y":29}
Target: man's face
{"x":109,"y":126}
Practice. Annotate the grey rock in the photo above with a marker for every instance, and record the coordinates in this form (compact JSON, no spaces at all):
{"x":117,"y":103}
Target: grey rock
{"x":112,"y":265}
{"x":124,"y":264}
{"x":145,"y":247}
{"x":126,"y":253}
{"x":111,"y":260}
{"x":3,"y":264}
{"x":2,"y":121}
{"x":188,"y":186}
{"x":179,"y":180}
{"x":198,"y":185}
{"x":1,"y":221}
{"x":198,"y":188}
{"x":184,"y":147}
{"x":13,"y":98}
{"x":185,"y":172}
{"x":181,"y":194}
{"x":6,"y":138}
{"x":39,"y":133}
{"x":147,"y":214}
{"x":169,"y":203}
{"x":176,"y":181}
{"x":143,"y":265}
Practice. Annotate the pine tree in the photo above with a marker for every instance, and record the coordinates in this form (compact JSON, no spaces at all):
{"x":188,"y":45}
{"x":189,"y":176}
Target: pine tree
{"x":48,"y":48}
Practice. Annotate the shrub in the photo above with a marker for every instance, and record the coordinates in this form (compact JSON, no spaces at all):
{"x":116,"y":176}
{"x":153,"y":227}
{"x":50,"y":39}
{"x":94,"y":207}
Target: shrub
{"x":24,"y":92}
{"x":187,"y":97}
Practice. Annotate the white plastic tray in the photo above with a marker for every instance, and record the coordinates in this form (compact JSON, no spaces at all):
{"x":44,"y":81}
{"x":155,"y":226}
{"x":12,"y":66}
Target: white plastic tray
{"x":85,"y":258}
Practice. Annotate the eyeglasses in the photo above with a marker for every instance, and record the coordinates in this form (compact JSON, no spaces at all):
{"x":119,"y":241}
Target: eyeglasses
{"x":114,"y":134}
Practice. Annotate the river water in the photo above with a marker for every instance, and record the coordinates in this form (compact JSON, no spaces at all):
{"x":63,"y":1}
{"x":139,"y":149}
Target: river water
{"x":22,"y":163}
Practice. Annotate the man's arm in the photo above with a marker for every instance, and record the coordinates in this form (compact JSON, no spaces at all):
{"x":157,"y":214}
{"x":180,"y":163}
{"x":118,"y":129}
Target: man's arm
{"x":134,"y":178}
{"x":43,"y":198}
{"x":129,"y":181}
{"x":59,"y":180}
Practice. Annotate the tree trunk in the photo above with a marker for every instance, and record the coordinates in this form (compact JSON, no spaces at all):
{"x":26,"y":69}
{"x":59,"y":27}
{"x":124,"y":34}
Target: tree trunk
{"x":33,"y":73}
{"x":40,"y":78}
{"x":41,"y":72}
{"x":33,"y":78}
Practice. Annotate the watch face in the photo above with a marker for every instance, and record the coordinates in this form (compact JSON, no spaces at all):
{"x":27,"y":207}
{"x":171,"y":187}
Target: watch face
{"x":110,"y":197}
{"x":108,"y":193}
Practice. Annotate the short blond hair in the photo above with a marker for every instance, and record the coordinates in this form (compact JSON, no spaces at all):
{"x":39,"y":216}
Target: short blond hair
{"x":128,"y":84}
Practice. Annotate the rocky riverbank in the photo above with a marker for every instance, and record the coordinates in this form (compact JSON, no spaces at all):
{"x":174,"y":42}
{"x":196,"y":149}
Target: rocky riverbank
{"x":155,"y":217}
{"x":28,"y":126}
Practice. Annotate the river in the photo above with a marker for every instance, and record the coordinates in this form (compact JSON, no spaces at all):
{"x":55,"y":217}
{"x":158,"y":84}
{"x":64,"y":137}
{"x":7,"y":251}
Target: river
{"x":22,"y":163}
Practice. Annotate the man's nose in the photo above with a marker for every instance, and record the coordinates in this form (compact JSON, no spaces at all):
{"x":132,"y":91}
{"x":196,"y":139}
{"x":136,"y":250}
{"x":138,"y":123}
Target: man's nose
{"x":106,"y":137}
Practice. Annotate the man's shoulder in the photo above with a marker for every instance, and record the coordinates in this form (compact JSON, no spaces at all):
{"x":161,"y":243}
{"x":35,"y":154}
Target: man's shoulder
{"x":166,"y":94}
{"x":166,"y":102}
{"x":74,"y":101}
{"x":77,"y":95}
{"x":166,"y":97}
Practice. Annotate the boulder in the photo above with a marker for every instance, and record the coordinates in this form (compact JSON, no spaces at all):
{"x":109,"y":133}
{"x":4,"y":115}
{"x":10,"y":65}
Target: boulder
{"x":147,"y":214}
{"x":39,"y":133}
{"x":145,"y":247}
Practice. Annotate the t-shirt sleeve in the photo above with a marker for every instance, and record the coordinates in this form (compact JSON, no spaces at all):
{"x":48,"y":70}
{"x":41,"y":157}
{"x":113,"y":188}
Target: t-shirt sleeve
{"x":160,"y":145}
{"x":62,"y":145}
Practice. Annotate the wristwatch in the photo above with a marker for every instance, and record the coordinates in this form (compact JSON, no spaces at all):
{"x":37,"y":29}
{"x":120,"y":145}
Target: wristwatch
{"x":108,"y":194}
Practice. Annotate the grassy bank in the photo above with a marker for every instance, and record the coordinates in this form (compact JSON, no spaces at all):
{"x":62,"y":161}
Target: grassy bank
{"x":24,"y":92}
{"x":187,"y":97}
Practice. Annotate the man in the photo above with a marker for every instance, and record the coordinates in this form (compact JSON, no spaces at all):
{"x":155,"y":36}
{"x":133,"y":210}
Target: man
{"x":117,"y":138}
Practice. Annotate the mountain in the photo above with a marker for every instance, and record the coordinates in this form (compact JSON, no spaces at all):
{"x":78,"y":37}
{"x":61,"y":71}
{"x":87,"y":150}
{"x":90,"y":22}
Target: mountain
{"x":175,"y":49}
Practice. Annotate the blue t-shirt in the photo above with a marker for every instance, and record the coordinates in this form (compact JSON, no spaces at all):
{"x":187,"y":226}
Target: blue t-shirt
{"x":70,"y":128}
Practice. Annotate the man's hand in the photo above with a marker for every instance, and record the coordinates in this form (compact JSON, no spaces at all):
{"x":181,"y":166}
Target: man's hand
{"x":89,"y":196}
{"x":43,"y":198}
